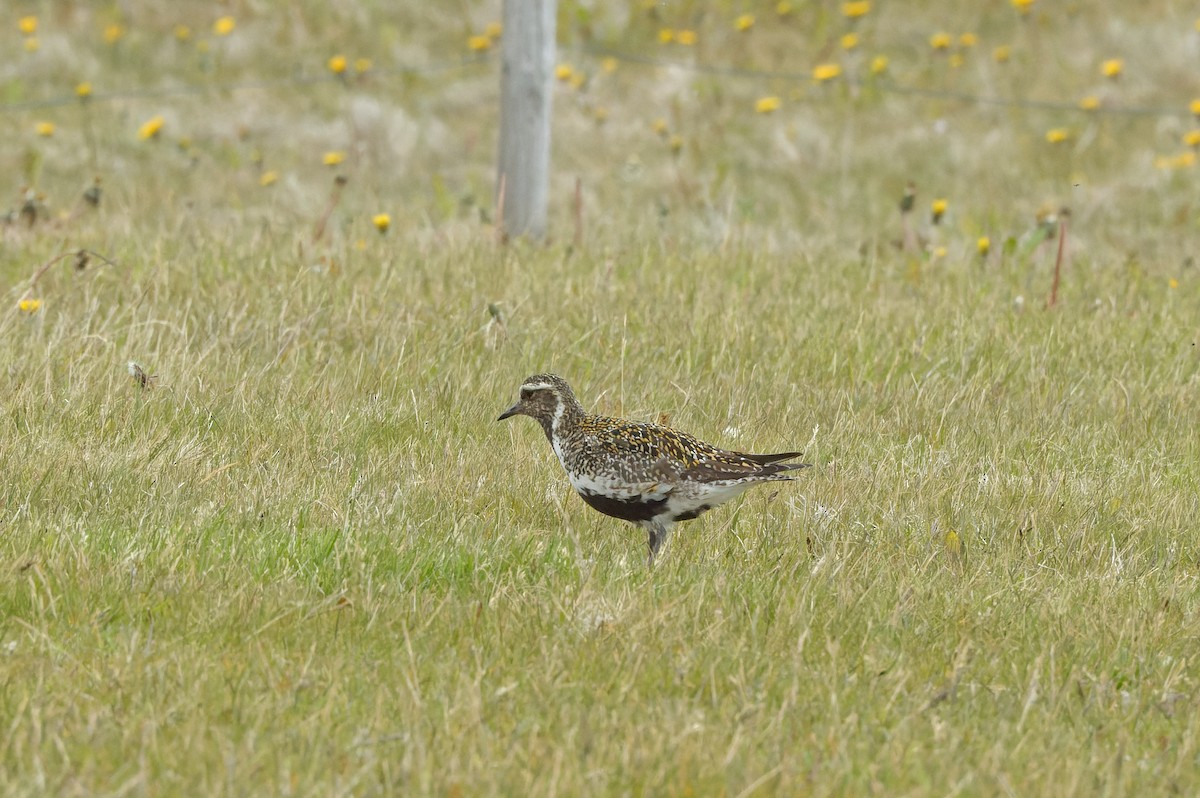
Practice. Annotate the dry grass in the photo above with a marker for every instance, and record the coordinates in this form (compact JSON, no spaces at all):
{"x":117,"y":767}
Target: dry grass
{"x":307,"y":561}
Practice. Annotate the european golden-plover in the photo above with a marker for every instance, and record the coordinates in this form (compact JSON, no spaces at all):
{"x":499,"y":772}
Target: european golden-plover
{"x":648,"y":474}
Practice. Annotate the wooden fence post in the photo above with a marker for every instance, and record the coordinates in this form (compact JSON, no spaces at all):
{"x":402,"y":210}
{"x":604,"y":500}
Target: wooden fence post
{"x":526,"y":89}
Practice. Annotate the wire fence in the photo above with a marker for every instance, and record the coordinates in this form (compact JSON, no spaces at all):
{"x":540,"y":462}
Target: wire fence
{"x":218,"y":87}
{"x":878,"y":83}
{"x":887,"y":86}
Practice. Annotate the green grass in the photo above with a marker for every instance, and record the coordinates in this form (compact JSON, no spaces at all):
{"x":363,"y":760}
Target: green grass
{"x":310,"y":561}
{"x":331,"y":569}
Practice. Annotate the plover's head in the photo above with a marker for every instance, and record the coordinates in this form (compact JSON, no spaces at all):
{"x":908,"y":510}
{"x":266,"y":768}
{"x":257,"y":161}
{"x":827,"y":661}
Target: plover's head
{"x":546,"y":398}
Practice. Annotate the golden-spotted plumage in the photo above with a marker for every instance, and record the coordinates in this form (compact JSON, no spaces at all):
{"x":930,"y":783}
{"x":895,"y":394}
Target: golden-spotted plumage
{"x":617,"y":436}
{"x":648,"y":474}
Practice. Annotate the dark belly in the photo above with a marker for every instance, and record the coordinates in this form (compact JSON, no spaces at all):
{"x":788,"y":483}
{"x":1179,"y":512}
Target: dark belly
{"x":637,"y":509}
{"x":688,"y":515}
{"x":625,"y":509}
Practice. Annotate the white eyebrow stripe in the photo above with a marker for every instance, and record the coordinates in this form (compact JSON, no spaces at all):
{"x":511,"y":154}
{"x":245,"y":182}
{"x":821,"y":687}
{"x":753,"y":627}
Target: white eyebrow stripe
{"x":537,"y":387}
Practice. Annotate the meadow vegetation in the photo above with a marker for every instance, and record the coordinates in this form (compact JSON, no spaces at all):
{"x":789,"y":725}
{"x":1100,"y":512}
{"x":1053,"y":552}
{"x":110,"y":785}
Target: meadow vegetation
{"x":304,"y":559}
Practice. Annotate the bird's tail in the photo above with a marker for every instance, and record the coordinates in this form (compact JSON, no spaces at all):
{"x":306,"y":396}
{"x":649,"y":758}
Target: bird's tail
{"x":774,"y":469}
{"x":764,"y":459}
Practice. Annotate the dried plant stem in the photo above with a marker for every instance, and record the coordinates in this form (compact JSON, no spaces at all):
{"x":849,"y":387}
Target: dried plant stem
{"x":80,"y":255}
{"x":1062,"y":244}
{"x":335,"y":197}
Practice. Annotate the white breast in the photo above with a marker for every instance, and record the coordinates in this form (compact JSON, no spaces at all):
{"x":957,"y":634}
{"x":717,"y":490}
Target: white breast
{"x":618,"y":488}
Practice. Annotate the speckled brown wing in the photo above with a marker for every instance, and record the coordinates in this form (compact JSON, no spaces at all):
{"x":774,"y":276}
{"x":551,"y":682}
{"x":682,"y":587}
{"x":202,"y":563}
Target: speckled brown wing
{"x":663,"y":453}
{"x":649,"y":443}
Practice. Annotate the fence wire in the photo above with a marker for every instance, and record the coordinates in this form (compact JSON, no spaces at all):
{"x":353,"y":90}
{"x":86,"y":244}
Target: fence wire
{"x":878,"y":83}
{"x":216,"y":87}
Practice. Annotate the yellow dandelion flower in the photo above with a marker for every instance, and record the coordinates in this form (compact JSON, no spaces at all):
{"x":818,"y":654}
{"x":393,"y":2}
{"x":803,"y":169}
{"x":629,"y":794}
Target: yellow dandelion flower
{"x":1090,"y":103}
{"x":29,"y":306}
{"x":1057,"y":135}
{"x":984,"y":245}
{"x":686,"y":37}
{"x":766,"y":105}
{"x":268,"y":178}
{"x":940,"y":41}
{"x":939,"y":252}
{"x":856,"y":9}
{"x":1023,"y":6}
{"x":182,"y":33}
{"x":953,"y":543}
{"x":968,"y":40}
{"x":1112,"y":68}
{"x":333,"y":158}
{"x":783,"y":8}
{"x":1194,"y":107}
{"x":824,"y":72}
{"x":224,"y":26}
{"x":744,"y":22}
{"x":382,"y":222}
{"x":32,"y":44}
{"x":1181,"y":161}
{"x":114,"y":33}
{"x":849,"y":41}
{"x":609,"y":65}
{"x":1001,"y":54}
{"x":27,"y":25}
{"x":675,"y":143}
{"x":659,"y":126}
{"x":83,"y":90}
{"x":956,"y":60}
{"x":938,"y":209}
{"x":362,"y":65}
{"x":1172,"y":283}
{"x":577,"y":80}
{"x":337,"y":64}
{"x":564,"y":72}
{"x":151,"y":128}
{"x":45,"y":129}
{"x":879,"y":64}
{"x":478,"y":44}
{"x":493,"y":30}
{"x":1192,"y":138}
{"x":666,"y":35}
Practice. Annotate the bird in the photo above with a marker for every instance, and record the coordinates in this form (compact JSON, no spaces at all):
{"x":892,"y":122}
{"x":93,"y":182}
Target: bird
{"x":648,"y":474}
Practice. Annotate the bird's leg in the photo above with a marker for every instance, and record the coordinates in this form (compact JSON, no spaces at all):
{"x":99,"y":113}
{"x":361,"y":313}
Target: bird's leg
{"x":659,"y":532}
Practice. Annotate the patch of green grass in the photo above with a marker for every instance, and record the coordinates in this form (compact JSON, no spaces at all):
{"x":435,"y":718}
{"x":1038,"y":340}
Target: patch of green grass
{"x":332,"y":569}
{"x":309,"y":560}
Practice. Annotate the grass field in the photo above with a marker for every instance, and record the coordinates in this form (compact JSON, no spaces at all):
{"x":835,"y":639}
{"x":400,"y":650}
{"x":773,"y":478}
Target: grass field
{"x":308,"y":561}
